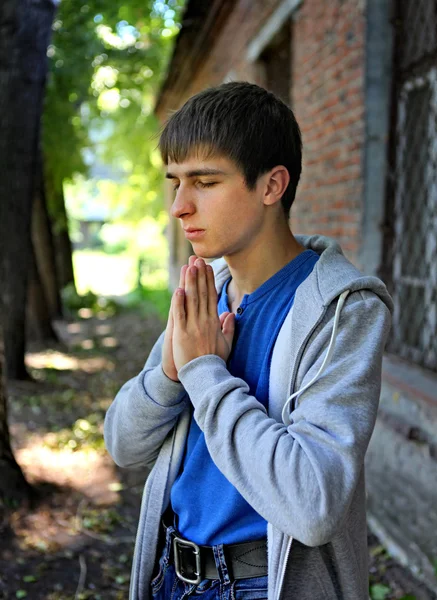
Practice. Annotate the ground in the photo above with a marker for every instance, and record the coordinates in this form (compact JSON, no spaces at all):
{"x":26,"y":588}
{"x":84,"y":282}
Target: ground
{"x":76,"y":541}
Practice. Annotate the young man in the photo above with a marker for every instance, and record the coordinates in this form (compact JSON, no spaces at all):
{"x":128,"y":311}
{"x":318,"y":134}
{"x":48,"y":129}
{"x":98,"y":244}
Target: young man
{"x":256,"y":422}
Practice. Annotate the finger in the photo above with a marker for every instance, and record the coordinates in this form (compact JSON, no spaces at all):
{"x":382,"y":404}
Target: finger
{"x":212,"y":292}
{"x":191,"y":295}
{"x":202,"y":286}
{"x":184,"y":268}
{"x":179,"y":314}
{"x":182,"y":276}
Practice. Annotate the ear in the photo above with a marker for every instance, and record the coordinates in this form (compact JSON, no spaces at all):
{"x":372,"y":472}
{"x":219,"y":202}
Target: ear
{"x":276,"y":183}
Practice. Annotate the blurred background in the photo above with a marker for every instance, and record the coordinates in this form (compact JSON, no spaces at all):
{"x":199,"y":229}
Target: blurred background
{"x":89,"y":256}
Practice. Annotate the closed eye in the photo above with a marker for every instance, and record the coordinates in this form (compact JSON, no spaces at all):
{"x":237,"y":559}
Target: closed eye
{"x":201,"y":184}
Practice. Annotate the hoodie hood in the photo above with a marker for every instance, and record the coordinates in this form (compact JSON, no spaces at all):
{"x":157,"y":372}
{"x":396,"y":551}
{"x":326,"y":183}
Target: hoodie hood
{"x":333,"y":273}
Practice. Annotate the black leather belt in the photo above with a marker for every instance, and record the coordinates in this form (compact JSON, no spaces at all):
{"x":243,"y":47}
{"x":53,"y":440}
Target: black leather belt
{"x":193,"y":563}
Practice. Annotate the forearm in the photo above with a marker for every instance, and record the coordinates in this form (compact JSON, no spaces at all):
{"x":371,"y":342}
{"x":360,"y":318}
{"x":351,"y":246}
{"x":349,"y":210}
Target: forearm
{"x":145,"y":409}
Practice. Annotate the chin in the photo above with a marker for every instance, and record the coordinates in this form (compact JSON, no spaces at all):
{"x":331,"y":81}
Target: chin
{"x":204,"y":252}
{"x":207,"y":255}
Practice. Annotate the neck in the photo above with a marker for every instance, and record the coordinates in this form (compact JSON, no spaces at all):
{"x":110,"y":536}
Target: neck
{"x":254,"y":265}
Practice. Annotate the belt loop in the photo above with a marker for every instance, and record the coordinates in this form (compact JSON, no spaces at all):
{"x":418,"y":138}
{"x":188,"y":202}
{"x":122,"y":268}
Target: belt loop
{"x":222,"y":568}
{"x":168,"y":542}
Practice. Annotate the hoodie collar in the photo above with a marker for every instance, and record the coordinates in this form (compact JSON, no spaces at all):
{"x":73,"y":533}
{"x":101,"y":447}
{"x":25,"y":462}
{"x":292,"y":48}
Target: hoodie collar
{"x":332,"y":274}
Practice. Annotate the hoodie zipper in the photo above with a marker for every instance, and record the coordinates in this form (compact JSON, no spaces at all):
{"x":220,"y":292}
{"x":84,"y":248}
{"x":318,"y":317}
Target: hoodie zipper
{"x":293,"y":382}
{"x":284,"y":567}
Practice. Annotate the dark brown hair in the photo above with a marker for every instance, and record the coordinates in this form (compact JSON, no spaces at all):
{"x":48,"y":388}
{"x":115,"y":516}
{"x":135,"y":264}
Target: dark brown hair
{"x":242,"y":122}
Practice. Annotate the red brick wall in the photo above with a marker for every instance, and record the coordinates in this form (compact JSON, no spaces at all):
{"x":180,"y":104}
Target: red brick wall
{"x":327,"y":98}
{"x":328,"y":72}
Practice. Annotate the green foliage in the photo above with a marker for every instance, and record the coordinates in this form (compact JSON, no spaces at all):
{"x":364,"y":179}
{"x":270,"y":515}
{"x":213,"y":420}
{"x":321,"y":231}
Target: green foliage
{"x":106,"y":65}
{"x":379,"y":550}
{"x":379,"y":591}
{"x":111,"y":273}
{"x":96,"y":304}
{"x":151,"y":301}
{"x":73,"y":301}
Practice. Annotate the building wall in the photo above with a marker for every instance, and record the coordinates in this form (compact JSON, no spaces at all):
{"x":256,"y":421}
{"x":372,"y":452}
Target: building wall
{"x":340,"y":92}
{"x":327,"y":96}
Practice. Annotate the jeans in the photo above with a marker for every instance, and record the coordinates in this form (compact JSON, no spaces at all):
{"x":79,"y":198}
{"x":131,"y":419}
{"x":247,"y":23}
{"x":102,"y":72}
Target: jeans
{"x":165,"y":585}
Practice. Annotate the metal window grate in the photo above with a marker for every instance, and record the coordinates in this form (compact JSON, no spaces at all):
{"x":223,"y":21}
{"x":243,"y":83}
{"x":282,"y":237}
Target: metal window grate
{"x":411,"y":243}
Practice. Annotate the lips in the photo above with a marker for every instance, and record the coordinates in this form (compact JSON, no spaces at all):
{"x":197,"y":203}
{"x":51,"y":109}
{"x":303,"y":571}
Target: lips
{"x":193,"y":234}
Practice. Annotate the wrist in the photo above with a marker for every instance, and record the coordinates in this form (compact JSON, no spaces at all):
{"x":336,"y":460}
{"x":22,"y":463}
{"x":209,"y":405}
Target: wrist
{"x":168,"y":376}
{"x":161,"y":389}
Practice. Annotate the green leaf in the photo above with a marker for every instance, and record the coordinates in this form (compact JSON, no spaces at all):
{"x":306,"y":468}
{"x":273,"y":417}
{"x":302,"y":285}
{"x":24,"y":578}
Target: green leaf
{"x":378,"y":550}
{"x":21,"y":594}
{"x":29,"y":578}
{"x":379,"y":591}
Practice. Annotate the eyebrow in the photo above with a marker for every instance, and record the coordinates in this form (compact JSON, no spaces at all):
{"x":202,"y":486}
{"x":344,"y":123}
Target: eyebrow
{"x":197,"y":173}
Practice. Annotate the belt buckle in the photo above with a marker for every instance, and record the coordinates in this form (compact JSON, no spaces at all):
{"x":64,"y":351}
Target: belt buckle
{"x":196,"y":552}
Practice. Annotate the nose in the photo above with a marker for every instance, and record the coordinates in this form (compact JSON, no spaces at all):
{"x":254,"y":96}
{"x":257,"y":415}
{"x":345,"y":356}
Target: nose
{"x":182,"y":204}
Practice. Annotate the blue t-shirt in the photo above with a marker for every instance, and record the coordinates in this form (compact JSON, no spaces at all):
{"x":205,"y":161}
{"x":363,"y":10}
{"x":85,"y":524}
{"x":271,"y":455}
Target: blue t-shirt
{"x":209,"y":510}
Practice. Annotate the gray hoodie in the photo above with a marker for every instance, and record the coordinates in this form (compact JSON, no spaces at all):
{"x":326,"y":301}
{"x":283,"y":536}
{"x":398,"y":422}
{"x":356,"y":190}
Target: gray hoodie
{"x":301,"y":464}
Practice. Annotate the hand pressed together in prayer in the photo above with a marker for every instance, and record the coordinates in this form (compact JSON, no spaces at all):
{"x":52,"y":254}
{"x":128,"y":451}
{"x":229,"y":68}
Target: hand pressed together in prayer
{"x":197,"y":328}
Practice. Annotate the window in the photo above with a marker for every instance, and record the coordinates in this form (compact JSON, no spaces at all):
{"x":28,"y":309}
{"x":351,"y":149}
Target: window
{"x":275,"y":64}
{"x":270,"y":51}
{"x":414,"y":264}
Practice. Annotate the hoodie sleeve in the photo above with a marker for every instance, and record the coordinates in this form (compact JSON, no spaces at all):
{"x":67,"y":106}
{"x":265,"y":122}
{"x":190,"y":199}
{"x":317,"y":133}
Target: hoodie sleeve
{"x":301,"y":478}
{"x":143,"y":412}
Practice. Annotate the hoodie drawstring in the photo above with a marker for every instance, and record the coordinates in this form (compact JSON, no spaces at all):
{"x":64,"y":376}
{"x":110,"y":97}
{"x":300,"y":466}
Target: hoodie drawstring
{"x":285,"y":412}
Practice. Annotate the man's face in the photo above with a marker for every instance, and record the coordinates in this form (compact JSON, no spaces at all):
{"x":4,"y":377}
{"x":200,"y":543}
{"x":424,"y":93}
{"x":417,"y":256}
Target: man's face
{"x":211,"y":195}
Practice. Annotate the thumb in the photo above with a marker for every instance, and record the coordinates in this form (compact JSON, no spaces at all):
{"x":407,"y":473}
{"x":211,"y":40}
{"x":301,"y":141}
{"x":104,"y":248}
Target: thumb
{"x":228,"y":328}
{"x":170,"y":320}
{"x":222,"y":318}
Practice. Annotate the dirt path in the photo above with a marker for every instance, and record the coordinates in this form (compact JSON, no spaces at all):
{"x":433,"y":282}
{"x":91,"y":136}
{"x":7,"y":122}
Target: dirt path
{"x":76,"y":542}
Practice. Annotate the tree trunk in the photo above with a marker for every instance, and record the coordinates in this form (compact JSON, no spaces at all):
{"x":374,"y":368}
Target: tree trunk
{"x":25,"y":27}
{"x":63,"y":245}
{"x":61,"y":236}
{"x":39,"y":323}
{"x":13,"y":485}
{"x":43,"y":245}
